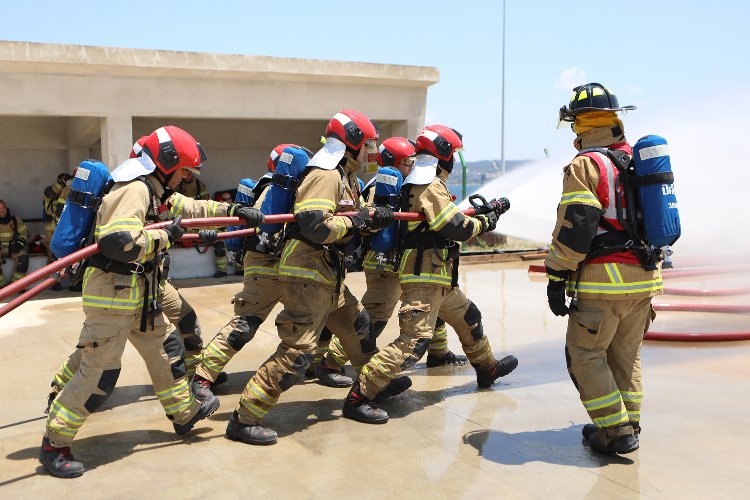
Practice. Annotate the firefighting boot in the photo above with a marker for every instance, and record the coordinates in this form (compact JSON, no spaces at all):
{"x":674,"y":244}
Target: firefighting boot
{"x":221,"y":378}
{"x":332,"y":378}
{"x":59,"y":461}
{"x":250,"y":434}
{"x":201,"y":388}
{"x":485,"y":378}
{"x":208,"y":406}
{"x":619,"y":445}
{"x":589,"y":430}
{"x":359,"y":408}
{"x":394,"y":388}
{"x":448,"y":359}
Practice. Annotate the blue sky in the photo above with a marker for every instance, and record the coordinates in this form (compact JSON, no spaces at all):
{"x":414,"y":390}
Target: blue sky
{"x":663,"y":56}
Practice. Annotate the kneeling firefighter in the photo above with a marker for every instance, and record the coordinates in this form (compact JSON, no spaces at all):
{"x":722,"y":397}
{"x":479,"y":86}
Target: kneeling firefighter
{"x":612,"y":284}
{"x":428,"y":272}
{"x":120,"y":290}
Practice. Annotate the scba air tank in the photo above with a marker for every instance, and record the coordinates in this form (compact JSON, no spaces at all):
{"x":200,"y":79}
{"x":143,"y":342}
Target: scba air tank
{"x":283,"y":188}
{"x":653,"y":171}
{"x":387,"y":190}
{"x":245,"y":197}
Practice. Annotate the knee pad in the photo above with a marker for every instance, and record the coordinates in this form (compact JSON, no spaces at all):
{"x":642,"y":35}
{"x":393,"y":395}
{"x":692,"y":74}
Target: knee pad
{"x":22,"y":263}
{"x":419,"y":349}
{"x":219,"y":249}
{"x":243,"y":332}
{"x":362,"y":323}
{"x":474,"y":317}
{"x":187,"y":324}
{"x":106,"y":384}
{"x":568,"y":364}
{"x":378,"y":327}
{"x":174,"y":349}
{"x":440,"y":322}
{"x":301,"y":363}
{"x":326,"y":335}
{"x":190,"y":331}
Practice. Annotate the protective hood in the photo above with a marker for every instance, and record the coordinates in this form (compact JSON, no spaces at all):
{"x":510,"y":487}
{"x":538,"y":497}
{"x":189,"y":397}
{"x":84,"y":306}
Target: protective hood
{"x":329,"y":155}
{"x":133,"y":168}
{"x":425,"y":168}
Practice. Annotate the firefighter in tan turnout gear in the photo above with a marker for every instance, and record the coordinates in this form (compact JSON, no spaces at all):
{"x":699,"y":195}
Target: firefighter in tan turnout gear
{"x":428,"y":275}
{"x":54,"y":202}
{"x":383,"y":286}
{"x":311,"y":272}
{"x":611,"y":310}
{"x":13,"y":235}
{"x":119,"y":296}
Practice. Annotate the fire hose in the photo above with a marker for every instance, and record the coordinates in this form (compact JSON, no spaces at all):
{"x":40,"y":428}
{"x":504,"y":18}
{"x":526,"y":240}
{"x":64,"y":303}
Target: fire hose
{"x":84,"y":253}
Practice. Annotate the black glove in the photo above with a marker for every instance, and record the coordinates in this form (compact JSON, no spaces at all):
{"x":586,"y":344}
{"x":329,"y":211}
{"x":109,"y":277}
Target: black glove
{"x":499,"y":206}
{"x":16,"y":246}
{"x":556,"y":291}
{"x":253,"y":217}
{"x":174,"y":230}
{"x":362,"y":221}
{"x":382,"y":217}
{"x":208,"y":236}
{"x":63,"y":178}
{"x":489,"y":221}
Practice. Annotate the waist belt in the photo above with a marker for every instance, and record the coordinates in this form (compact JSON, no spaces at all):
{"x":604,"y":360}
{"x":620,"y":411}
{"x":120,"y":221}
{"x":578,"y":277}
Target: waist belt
{"x":428,"y":239}
{"x":113,"y":266}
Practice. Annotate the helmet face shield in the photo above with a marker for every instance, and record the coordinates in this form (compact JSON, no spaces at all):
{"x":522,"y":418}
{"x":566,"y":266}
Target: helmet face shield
{"x":368,"y":157}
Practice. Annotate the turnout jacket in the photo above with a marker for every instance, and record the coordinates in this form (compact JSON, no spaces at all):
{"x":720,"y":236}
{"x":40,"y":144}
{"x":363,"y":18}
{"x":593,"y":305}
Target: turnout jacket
{"x":588,"y":196}
{"x":443,"y":219}
{"x":120,"y":232}
{"x":262,"y":263}
{"x":309,"y":254}
{"x":194,"y":189}
{"x":54,"y":202}
{"x":12,"y":228}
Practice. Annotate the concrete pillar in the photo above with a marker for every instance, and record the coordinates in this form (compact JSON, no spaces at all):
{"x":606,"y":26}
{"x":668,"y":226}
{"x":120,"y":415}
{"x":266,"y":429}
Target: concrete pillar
{"x":76,"y":155}
{"x":117,"y":139}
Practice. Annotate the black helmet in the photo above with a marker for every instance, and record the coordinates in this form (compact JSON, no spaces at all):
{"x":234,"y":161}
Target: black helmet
{"x":591,"y":97}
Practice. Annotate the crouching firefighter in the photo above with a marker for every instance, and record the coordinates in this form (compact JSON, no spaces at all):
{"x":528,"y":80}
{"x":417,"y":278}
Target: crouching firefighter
{"x":611,"y":278}
{"x":429,"y":281}
{"x":120,"y":287}
{"x":311,"y":271}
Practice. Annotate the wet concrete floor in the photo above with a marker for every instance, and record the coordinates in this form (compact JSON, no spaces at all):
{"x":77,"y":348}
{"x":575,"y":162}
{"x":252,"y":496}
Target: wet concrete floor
{"x":445,"y":439}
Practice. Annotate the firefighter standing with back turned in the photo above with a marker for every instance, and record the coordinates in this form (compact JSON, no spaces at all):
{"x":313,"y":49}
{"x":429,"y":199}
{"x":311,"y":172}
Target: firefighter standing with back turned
{"x":612,"y":291}
{"x":428,"y":272}
{"x":120,"y":287}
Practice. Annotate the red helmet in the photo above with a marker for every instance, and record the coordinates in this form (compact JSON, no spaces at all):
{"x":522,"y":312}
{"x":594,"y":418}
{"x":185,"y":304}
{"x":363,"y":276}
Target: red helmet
{"x":393,"y":150}
{"x":352,"y":128}
{"x":439,"y":141}
{"x":138,"y":147}
{"x":172,"y":148}
{"x":273,"y":158}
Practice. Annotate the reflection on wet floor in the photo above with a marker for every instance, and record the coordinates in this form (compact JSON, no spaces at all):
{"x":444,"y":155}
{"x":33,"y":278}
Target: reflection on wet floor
{"x":521,"y":438}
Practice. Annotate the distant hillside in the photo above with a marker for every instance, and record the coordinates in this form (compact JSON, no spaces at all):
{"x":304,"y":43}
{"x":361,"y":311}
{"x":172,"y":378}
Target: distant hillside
{"x":480,"y":172}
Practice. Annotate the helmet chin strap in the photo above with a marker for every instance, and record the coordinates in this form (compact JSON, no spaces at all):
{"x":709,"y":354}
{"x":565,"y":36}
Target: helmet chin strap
{"x":446,"y":165}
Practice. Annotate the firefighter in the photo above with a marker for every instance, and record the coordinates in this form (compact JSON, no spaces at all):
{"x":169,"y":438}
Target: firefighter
{"x":13,"y":236}
{"x":611,"y":310}
{"x":383,"y":287}
{"x":54,"y":202}
{"x":311,"y":271}
{"x":428,"y":273}
{"x":120,"y":288}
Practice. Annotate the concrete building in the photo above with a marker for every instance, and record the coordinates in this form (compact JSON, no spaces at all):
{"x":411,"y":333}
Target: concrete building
{"x":62,"y":104}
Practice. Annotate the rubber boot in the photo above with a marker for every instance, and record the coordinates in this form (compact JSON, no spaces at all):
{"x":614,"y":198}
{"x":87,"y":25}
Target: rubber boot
{"x":589,"y":430}
{"x":201,"y":388}
{"x":448,"y":359}
{"x":485,"y":378}
{"x":208,"y":406}
{"x":59,"y":461}
{"x":394,"y":388}
{"x":250,"y":434}
{"x":332,"y":378}
{"x":220,"y":274}
{"x":359,"y":408}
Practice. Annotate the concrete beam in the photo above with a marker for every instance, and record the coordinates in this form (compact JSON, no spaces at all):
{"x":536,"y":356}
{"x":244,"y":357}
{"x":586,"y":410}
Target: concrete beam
{"x":117,"y":139}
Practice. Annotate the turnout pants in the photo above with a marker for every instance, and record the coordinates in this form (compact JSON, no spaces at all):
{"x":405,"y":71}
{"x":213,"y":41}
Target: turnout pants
{"x":380,"y":299}
{"x":22,"y":266}
{"x":307,"y":308}
{"x":603,"y":354}
{"x":252,"y":306}
{"x":178,"y":311}
{"x":101,"y":344}
{"x":421,"y":305}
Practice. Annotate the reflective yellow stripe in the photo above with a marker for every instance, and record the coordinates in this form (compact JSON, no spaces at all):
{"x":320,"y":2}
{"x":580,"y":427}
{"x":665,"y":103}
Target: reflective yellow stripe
{"x":615,"y":288}
{"x":178,"y":201}
{"x":603,"y":402}
{"x":260,"y":393}
{"x":443,"y":217}
{"x":301,"y":272}
{"x":124,"y":224}
{"x":584,"y":197}
{"x":69,"y":416}
{"x":612,"y":420}
{"x":266,"y":271}
{"x":315,"y":204}
{"x":632,"y":397}
{"x":255,"y":410}
{"x":223,"y":357}
{"x":168,"y":393}
{"x":179,"y":406}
